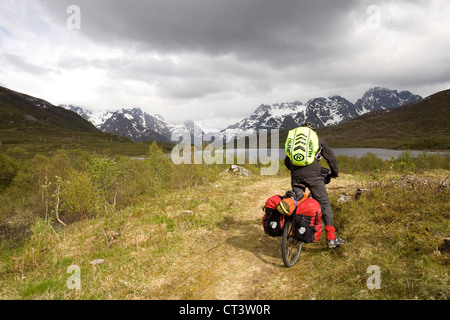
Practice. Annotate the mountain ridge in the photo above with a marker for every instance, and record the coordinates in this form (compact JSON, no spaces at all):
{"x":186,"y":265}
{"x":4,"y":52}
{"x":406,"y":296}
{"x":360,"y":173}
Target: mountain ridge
{"x":418,"y":125}
{"x":41,"y":127}
{"x":323,"y":112}
{"x":137,"y":125}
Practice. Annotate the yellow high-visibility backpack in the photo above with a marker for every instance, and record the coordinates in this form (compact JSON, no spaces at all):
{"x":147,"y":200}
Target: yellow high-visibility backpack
{"x":302,"y":145}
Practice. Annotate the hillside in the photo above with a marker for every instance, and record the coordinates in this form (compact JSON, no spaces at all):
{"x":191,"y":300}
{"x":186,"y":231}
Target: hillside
{"x":39,"y":126}
{"x":418,"y":125}
{"x":211,"y":246}
{"x":21,"y":110}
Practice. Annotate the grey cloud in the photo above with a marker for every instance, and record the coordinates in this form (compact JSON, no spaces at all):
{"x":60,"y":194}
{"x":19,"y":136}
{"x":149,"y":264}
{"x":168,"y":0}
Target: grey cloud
{"x":20,"y":64}
{"x":188,"y":77}
{"x":257,"y":48}
{"x":276,"y":32}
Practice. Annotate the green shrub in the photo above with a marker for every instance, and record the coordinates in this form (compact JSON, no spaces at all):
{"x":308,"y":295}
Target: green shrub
{"x":404,"y":163}
{"x":80,"y":196}
{"x":18,"y":153}
{"x":105,"y":176}
{"x":426,"y":161}
{"x":159,"y":170}
{"x":8,"y":170}
{"x":367,"y":164}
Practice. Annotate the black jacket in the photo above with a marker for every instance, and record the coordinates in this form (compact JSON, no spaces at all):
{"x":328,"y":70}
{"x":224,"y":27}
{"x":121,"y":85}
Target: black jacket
{"x":313,"y":170}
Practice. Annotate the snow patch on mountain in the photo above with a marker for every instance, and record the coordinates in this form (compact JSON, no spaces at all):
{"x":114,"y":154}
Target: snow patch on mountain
{"x":136,"y":124}
{"x":323,"y":112}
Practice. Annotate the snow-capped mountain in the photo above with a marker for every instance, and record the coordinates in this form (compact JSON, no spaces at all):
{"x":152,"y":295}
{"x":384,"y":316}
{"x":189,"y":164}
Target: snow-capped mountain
{"x":323,"y":112}
{"x":136,"y":124}
{"x":280,"y":116}
{"x":85,"y":114}
{"x":380,"y":99}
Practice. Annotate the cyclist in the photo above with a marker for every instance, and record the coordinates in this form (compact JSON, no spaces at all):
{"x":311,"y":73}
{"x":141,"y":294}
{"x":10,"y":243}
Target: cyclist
{"x":312,"y":177}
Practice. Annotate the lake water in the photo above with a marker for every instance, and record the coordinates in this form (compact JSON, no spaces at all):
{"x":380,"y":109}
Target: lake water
{"x":384,"y":154}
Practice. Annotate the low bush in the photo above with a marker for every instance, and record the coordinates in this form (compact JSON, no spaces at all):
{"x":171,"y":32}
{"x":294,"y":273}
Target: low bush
{"x":405,"y":163}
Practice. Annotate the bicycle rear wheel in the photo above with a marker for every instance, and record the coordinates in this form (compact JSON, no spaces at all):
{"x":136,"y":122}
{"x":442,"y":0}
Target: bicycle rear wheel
{"x":290,"y":248}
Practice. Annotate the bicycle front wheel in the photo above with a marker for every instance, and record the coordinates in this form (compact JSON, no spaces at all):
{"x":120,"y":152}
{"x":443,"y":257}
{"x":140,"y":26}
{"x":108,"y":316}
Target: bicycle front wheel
{"x":290,"y":248}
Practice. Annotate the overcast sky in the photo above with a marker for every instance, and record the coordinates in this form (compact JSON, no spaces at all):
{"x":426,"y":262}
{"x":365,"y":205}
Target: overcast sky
{"x":216,"y":61}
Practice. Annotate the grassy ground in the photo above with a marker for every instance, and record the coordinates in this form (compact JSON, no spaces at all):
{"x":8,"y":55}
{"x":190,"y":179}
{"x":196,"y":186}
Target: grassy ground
{"x":208,"y":243}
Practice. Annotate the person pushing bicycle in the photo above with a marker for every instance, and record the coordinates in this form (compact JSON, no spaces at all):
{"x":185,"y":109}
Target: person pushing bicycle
{"x":304,"y":149}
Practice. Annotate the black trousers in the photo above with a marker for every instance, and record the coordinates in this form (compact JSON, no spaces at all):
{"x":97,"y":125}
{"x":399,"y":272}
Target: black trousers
{"x":316,"y":186}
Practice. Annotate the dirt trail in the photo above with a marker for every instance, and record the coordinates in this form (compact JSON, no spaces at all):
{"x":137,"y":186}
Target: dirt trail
{"x":252,"y":260}
{"x":238,"y":261}
{"x":235,"y":259}
{"x":247,"y":263}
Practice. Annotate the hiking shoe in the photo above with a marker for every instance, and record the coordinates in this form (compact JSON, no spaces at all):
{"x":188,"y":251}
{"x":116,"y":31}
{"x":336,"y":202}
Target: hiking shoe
{"x":335,"y":243}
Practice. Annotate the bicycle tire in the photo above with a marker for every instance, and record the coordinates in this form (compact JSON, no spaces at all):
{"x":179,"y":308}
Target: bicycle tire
{"x":290,"y":248}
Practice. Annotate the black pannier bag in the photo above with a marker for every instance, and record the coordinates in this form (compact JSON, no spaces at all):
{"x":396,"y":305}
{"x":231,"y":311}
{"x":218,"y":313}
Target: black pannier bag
{"x":273,"y":221}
